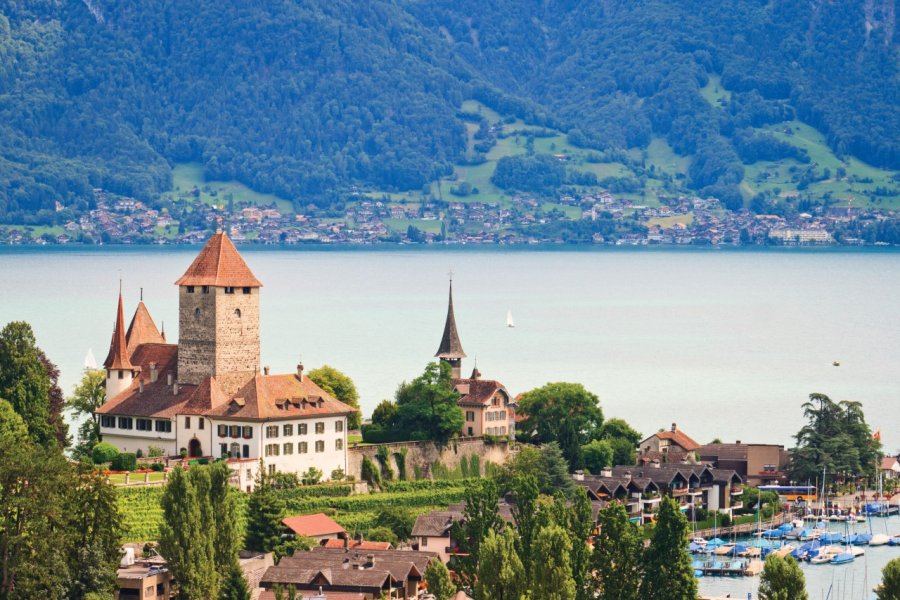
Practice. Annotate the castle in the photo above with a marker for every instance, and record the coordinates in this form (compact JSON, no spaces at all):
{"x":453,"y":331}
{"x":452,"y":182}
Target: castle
{"x":206,"y":395}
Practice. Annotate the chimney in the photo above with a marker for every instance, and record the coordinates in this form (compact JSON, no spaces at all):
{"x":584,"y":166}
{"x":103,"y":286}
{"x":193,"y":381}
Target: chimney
{"x":141,"y":385}
{"x":579,"y":475}
{"x":175,"y":388}
{"x":370,"y":561}
{"x":738,"y":442}
{"x":626,"y":476}
{"x":606,"y":472}
{"x":654,"y":463}
{"x":170,"y":379}
{"x":154,"y":374}
{"x":300,"y":371}
{"x":265,"y":370}
{"x":673,"y":428}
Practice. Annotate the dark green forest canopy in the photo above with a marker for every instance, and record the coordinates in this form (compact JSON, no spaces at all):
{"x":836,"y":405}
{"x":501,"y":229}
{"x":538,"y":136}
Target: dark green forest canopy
{"x":307,"y":99}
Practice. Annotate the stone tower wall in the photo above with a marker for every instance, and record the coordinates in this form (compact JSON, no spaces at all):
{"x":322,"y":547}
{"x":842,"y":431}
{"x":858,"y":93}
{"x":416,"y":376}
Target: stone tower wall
{"x":214,"y":340}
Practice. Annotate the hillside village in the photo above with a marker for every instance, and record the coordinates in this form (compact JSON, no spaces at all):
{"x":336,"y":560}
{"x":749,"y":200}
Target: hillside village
{"x":600,"y":218}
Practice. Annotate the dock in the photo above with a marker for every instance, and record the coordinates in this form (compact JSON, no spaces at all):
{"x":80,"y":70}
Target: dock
{"x":729,"y":568}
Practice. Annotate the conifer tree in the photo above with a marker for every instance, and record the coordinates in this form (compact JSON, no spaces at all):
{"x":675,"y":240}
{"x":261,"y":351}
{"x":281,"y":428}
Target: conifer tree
{"x":667,"y":565}
{"x":235,"y":587}
{"x":782,"y":579}
{"x":438,"y":579}
{"x":24,"y":381}
{"x":889,"y":589}
{"x":501,"y":575}
{"x":265,"y":510}
{"x":580,"y":525}
{"x":524,"y":511}
{"x":617,"y":561}
{"x":551,"y":576}
{"x":481,"y":516}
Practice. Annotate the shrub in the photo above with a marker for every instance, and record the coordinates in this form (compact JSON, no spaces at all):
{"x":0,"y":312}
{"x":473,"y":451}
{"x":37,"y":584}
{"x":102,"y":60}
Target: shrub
{"x":370,"y":473}
{"x":158,"y":467}
{"x":139,"y":453}
{"x":126,"y":461}
{"x":104,"y":452}
{"x":154,"y":451}
{"x":338,"y":474}
{"x":726,"y":520}
{"x":312,"y":476}
{"x":381,"y":534}
{"x":398,"y":520}
{"x":183,"y":453}
{"x":384,"y":458}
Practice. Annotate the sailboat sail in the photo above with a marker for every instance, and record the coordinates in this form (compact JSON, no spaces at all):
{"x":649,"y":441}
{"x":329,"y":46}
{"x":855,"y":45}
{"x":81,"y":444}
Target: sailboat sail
{"x":509,"y":319}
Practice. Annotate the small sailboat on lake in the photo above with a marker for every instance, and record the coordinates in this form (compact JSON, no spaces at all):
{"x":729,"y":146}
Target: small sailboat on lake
{"x":509,"y":320}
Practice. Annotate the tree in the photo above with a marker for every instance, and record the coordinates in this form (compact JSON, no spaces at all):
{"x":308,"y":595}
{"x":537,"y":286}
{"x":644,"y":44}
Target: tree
{"x":623,"y":451}
{"x":88,"y":396}
{"x":56,"y":402}
{"x":782,"y":579}
{"x":235,"y":587}
{"x":546,"y":464}
{"x":580,"y":525}
{"x":382,"y":534}
{"x":551,"y":577}
{"x":224,"y":524}
{"x":617,"y":558}
{"x":385,"y":414}
{"x":24,"y":381}
{"x":525,"y":492}
{"x":94,"y":507}
{"x":889,"y":589}
{"x":619,"y":429}
{"x":501,"y":575}
{"x":481,"y":515}
{"x":668,"y":574}
{"x":597,"y":455}
{"x":427,"y":407}
{"x":565,"y":413}
{"x":341,"y":387}
{"x":185,"y":539}
{"x":437,"y":577}
{"x":398,"y":520}
{"x":265,"y":510}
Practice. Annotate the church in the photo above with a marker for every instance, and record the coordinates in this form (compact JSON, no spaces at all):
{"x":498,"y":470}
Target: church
{"x":207,"y":395}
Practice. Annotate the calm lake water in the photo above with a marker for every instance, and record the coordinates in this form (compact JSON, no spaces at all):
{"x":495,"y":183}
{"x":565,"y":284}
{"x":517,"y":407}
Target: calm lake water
{"x":725,"y":343}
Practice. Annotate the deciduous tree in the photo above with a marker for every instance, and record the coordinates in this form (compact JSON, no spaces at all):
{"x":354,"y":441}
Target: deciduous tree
{"x":427,"y":407}
{"x":667,"y":565}
{"x":438,"y":579}
{"x":617,"y":560}
{"x":551,"y":577}
{"x":501,"y":574}
{"x":889,"y":589}
{"x":88,"y":396}
{"x":782,"y":579}
{"x":341,"y":387}
{"x":24,"y":381}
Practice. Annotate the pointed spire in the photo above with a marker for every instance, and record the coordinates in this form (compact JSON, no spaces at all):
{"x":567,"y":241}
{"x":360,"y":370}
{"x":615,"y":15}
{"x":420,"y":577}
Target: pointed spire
{"x":142,"y":329}
{"x":118,"y":353}
{"x":219,"y":264}
{"x":451,"y":347}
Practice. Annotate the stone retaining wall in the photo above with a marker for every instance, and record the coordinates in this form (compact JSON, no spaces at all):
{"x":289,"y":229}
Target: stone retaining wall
{"x":424,"y":454}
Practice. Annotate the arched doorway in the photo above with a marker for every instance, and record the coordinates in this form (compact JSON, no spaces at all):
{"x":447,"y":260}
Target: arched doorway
{"x":194,"y":449}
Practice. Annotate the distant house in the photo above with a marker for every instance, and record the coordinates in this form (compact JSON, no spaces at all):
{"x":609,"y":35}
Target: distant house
{"x":348,"y":544}
{"x":143,"y":579}
{"x":757,"y":464}
{"x":890,"y":467}
{"x":665,"y":445}
{"x":432,"y":532}
{"x":318,"y":526}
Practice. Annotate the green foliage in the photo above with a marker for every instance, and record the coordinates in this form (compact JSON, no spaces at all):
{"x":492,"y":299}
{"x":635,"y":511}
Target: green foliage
{"x":341,"y":387}
{"x":124,"y":461}
{"x":551,"y":577}
{"x":835,"y":437}
{"x":540,"y":173}
{"x":617,"y":561}
{"x":385,"y":414}
{"x":398,"y":520}
{"x":596,"y":455}
{"x":782,"y":579}
{"x":288,"y":546}
{"x":265,"y":510}
{"x":383,"y":454}
{"x":565,"y":413}
{"x":311,"y":476}
{"x":624,"y":452}
{"x":104,"y":453}
{"x":427,"y":408}
{"x":668,"y":574}
{"x":481,"y":515}
{"x":619,"y":429}
{"x":546,"y":464}
{"x":500,"y":575}
{"x":437,"y":578}
{"x":24,"y":381}
{"x":400,"y":458}
{"x":382,"y":534}
{"x":889,"y":589}
{"x":369,"y":472}
{"x":235,"y":587}
{"x":88,"y":396}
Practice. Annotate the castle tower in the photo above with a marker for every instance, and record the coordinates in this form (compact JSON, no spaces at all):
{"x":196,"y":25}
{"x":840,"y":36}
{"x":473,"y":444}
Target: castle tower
{"x":119,"y":370}
{"x":218,"y":319}
{"x":450,"y":350}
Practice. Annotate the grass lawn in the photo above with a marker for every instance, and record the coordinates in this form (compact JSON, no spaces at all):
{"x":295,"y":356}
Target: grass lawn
{"x":714,"y":92}
{"x":474,"y":106}
{"x":119,"y":478}
{"x":661,"y":155}
{"x":667,"y":222}
{"x":401,"y":225}
{"x":187,"y":176}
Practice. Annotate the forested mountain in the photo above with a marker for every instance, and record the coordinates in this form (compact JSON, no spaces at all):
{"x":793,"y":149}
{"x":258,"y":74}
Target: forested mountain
{"x":308,"y":99}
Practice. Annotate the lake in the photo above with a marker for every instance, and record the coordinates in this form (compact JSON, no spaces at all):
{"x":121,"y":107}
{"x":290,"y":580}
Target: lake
{"x":727,"y":344}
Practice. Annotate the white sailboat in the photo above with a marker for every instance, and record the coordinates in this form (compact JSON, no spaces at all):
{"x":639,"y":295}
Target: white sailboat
{"x":89,"y":361}
{"x":509,"y":319}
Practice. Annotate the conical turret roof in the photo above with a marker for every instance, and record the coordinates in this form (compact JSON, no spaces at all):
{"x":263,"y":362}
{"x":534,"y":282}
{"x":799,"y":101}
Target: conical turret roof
{"x":219,"y":264}
{"x":451,"y":347}
{"x":118,"y":347}
{"x":142,"y":330}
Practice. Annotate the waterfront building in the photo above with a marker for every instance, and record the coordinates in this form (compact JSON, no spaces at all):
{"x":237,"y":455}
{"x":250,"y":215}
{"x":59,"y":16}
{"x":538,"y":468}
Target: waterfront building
{"x":667,"y":446}
{"x":757,"y":464}
{"x":207,"y":396}
{"x":486,"y":403}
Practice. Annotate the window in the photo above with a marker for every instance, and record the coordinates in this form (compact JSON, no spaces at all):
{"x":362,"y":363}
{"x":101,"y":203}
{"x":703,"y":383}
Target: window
{"x":190,"y":289}
{"x":224,"y":450}
{"x":246,"y":290}
{"x":143,"y":425}
{"x":124,"y":422}
{"x":288,"y":430}
{"x":338,"y":444}
{"x":202,"y":423}
{"x":223,"y":430}
{"x":272,"y":449}
{"x":271,"y":469}
{"x":187,"y":422}
{"x":121,"y":374}
{"x":288,"y":448}
{"x":248,"y":432}
{"x":423,"y":542}
{"x":320,"y":427}
{"x":205,"y":289}
{"x":197,"y":313}
{"x":107,"y":421}
{"x":234,"y":431}
{"x":339,"y":426}
{"x":237,"y":313}
{"x":271,"y":431}
{"x":302,"y":428}
{"x":229,"y":290}
{"x":249,"y":473}
{"x":302,"y":448}
{"x":246,"y":454}
{"x":470,"y":431}
{"x":235,"y":451}
{"x":164,"y":426}
{"x":470,"y":415}
{"x":320,"y":446}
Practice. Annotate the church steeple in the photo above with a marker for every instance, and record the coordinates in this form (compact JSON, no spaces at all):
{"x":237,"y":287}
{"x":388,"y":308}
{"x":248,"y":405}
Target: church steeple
{"x":451,"y":350}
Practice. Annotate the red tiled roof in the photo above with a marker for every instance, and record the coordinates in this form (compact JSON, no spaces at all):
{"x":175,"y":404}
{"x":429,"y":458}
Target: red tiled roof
{"x":280,"y":397}
{"x":357,"y":544}
{"x":157,"y":399}
{"x":477,"y":392}
{"x":219,"y":264}
{"x":312,"y":525}
{"x":142,"y":330}
{"x":118,"y":348}
{"x":888,"y":462}
{"x":678,"y":437}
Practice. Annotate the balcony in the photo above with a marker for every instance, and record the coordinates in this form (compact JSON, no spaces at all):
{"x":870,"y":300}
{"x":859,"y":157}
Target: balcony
{"x":737,"y":506}
{"x":679,"y":491}
{"x":737,"y":491}
{"x":695,"y":491}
